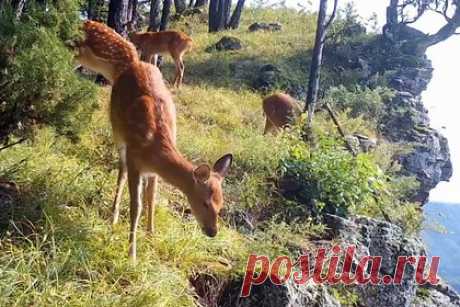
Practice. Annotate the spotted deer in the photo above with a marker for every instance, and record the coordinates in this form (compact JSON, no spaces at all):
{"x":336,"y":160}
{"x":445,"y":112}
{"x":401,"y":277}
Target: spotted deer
{"x":280,"y":111}
{"x":143,"y":119}
{"x":173,"y":42}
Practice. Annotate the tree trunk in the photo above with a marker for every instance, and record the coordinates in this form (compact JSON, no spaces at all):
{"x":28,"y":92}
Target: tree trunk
{"x":227,"y":6}
{"x":213,"y":22}
{"x":444,"y":33}
{"x":219,"y":15}
{"x":18,"y":6}
{"x":180,"y":6}
{"x":118,"y":16}
{"x":155,"y":16}
{"x":315,"y":68}
{"x":236,"y":16}
{"x":165,"y":14}
{"x":201,"y":3}
{"x":133,"y":16}
{"x":392,"y":17}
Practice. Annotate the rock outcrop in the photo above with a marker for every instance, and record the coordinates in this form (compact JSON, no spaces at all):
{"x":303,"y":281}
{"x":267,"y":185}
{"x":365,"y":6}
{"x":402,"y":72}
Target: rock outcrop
{"x":371,"y":237}
{"x":407,"y":121}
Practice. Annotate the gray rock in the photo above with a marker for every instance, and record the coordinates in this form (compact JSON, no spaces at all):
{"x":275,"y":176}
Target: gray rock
{"x":288,"y":295}
{"x":380,"y":238}
{"x":406,"y":121}
{"x":436,"y":295}
{"x":226,"y":43}
{"x":365,"y":143}
{"x":353,"y":141}
{"x":262,"y":26}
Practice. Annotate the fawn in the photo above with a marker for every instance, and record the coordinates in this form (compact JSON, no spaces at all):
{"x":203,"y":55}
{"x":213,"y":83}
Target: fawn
{"x":280,"y":110}
{"x":174,"y":42}
{"x":143,"y":119}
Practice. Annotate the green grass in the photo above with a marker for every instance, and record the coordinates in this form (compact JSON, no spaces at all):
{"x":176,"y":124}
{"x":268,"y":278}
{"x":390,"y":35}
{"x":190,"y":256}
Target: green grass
{"x":69,"y":255}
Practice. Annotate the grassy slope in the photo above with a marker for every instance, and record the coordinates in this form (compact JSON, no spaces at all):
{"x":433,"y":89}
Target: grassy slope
{"x":71,"y":256}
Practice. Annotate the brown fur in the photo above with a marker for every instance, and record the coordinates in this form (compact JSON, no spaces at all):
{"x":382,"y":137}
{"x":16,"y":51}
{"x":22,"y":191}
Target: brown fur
{"x":143,"y":119}
{"x":280,"y":111}
{"x":173,"y":42}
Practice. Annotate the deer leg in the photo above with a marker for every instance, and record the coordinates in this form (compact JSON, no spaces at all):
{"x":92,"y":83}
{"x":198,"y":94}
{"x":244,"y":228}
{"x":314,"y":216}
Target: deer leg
{"x":177,"y":77}
{"x":181,"y":70}
{"x":121,"y":181}
{"x":135,"y":189}
{"x":268,"y":126}
{"x":149,"y":201}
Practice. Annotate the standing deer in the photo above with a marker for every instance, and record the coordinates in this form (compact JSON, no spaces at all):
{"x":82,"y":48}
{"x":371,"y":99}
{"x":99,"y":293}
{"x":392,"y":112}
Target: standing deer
{"x":143,"y":119}
{"x":174,"y":42}
{"x":280,"y":110}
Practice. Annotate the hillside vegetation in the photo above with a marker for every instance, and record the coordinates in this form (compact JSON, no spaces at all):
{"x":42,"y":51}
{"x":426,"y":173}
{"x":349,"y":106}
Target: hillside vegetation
{"x":58,"y":248}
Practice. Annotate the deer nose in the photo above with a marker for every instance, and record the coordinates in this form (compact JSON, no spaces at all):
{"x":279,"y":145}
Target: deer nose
{"x":210,"y":232}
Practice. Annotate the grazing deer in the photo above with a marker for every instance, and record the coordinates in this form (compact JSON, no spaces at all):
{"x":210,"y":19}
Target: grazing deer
{"x":280,"y":110}
{"x":174,"y":42}
{"x":143,"y":119}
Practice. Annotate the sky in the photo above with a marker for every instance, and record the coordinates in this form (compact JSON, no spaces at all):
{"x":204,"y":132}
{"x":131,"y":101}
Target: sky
{"x":442,"y":96}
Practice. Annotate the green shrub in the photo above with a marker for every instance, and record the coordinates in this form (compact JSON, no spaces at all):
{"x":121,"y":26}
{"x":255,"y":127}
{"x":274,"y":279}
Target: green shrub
{"x":332,"y":176}
{"x":365,"y":102}
{"x":38,"y":81}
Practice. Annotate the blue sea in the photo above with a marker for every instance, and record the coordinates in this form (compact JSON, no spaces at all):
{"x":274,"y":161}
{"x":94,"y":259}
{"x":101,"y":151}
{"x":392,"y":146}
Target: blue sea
{"x":442,"y":237}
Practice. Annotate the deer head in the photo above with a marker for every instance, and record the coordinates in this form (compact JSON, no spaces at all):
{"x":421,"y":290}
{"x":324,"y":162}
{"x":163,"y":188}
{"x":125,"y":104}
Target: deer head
{"x":104,"y":51}
{"x":205,"y":197}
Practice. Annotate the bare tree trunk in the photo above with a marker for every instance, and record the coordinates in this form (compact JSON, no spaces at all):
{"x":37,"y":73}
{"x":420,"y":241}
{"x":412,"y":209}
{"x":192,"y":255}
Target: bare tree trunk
{"x":118,"y":16}
{"x":213,"y":20}
{"x":155,"y":15}
{"x":180,"y":6}
{"x":219,"y":15}
{"x":236,"y":16}
{"x":165,"y":14}
{"x":226,"y":13}
{"x":201,"y":3}
{"x":315,"y":69}
{"x":133,"y":16}
{"x":18,"y":6}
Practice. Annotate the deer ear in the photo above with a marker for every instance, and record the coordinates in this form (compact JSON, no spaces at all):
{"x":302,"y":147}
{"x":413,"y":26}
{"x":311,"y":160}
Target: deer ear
{"x":202,"y":173}
{"x":223,"y":164}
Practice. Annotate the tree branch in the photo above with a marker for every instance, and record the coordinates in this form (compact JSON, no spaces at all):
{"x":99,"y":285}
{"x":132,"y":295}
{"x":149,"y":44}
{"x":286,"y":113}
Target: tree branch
{"x":12,"y":144}
{"x":331,"y":18}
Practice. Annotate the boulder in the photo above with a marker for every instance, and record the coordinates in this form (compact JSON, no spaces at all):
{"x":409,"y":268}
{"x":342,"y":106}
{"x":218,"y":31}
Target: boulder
{"x":226,"y":43}
{"x":262,"y":26}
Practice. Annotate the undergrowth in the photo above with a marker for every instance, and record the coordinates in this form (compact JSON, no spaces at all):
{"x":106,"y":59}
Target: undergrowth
{"x":59,"y":249}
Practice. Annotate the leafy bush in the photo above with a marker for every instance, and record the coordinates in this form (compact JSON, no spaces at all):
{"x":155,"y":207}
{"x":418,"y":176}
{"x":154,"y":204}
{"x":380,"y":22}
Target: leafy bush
{"x":38,"y":81}
{"x":332,"y":176}
{"x":366,"y":102}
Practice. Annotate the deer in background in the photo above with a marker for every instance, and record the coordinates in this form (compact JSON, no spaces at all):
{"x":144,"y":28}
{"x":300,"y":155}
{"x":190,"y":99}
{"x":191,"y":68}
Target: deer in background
{"x":174,"y":42}
{"x":143,"y":119}
{"x":280,"y":111}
